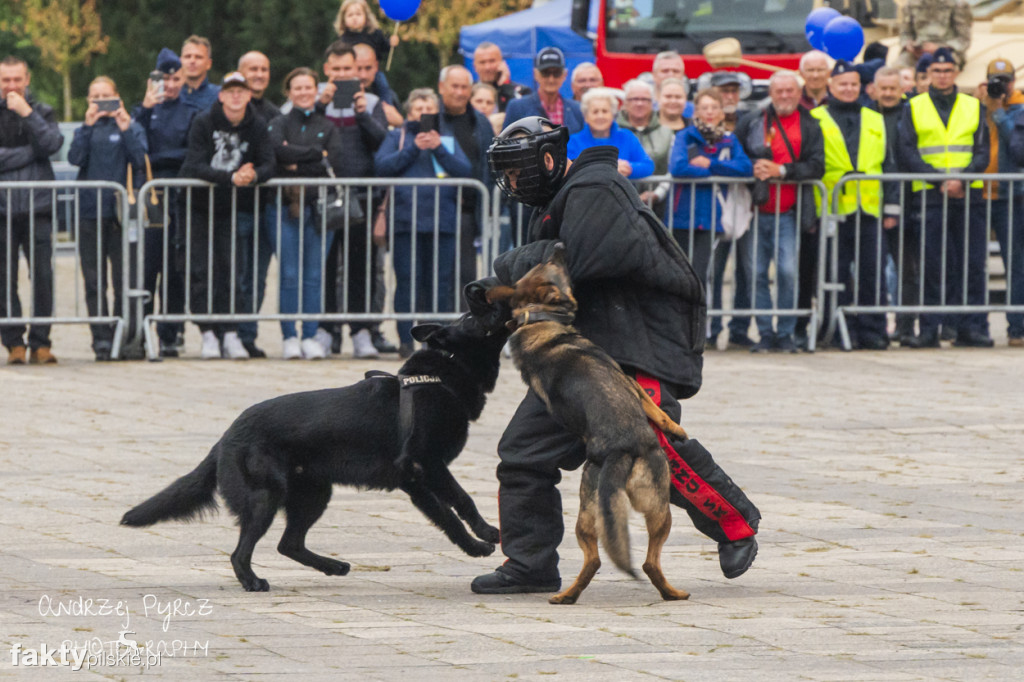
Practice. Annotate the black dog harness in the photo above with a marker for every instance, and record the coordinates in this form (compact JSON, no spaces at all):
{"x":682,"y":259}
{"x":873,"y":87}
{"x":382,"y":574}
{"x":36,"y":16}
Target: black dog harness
{"x":532,"y":313}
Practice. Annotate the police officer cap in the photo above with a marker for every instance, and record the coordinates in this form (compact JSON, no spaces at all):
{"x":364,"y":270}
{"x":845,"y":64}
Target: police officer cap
{"x":943,"y":55}
{"x":167,"y":61}
{"x":924,"y":62}
{"x":842,"y":66}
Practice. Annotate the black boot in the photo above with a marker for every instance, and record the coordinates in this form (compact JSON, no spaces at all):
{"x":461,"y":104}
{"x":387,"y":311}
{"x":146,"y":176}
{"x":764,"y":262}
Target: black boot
{"x":737,"y":556}
{"x":503,"y":582}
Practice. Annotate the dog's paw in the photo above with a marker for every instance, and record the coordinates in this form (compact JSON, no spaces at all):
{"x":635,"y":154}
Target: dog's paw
{"x":478,"y":549}
{"x":488,"y":533}
{"x":333,"y":567}
{"x":256,"y":585}
{"x":563,"y":598}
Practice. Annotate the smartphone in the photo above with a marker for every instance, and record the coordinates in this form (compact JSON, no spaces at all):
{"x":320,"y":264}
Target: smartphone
{"x":345,"y":92}
{"x":157,"y":78}
{"x":108,"y":104}
{"x":429,"y":122}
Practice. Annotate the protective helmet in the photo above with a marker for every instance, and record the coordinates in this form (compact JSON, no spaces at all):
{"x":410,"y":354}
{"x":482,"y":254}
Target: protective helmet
{"x":521,"y":147}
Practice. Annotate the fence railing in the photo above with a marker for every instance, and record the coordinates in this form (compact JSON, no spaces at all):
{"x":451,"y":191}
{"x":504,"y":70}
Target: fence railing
{"x":428,"y":224}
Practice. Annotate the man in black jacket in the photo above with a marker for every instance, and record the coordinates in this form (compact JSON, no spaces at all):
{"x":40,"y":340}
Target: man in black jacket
{"x":641,"y":301}
{"x":362,"y":127}
{"x":229,"y":146}
{"x":28,"y":136}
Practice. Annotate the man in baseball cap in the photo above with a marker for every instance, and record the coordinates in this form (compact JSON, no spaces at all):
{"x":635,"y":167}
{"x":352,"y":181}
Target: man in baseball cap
{"x":549,"y":70}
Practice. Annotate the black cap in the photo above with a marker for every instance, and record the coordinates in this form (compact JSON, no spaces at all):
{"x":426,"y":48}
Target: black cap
{"x":720,"y":78}
{"x":167,"y":61}
{"x":943,"y":55}
{"x":924,"y":62}
{"x":549,"y":58}
{"x":842,"y":66}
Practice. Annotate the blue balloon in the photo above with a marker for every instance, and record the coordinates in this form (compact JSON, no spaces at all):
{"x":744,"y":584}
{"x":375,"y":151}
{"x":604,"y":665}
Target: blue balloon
{"x":400,"y":10}
{"x":816,"y":23}
{"x":844,"y":38}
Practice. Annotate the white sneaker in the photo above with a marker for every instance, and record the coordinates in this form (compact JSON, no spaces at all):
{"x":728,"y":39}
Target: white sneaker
{"x":324,"y":338}
{"x":291,"y":350}
{"x":233,"y":347}
{"x":312,"y":350}
{"x":211,"y":346}
{"x":362,"y":345}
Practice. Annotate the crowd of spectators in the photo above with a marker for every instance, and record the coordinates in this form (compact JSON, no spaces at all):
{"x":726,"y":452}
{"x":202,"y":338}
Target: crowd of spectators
{"x":345,"y":121}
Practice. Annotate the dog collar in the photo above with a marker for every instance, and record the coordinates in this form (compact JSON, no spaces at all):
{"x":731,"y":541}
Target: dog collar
{"x":530,"y":316}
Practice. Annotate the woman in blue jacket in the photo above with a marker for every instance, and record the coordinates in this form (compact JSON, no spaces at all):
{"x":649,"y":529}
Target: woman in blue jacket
{"x":419,"y":237}
{"x":600,"y":105}
{"x":102,"y":148}
{"x":703,"y":150}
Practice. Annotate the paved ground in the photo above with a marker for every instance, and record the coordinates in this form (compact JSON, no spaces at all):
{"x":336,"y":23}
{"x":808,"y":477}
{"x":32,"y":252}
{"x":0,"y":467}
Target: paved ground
{"x":890,"y":547}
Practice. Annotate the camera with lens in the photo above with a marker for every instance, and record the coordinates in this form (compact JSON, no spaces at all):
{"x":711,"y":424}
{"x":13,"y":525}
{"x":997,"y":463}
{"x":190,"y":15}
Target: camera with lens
{"x":999,"y":85}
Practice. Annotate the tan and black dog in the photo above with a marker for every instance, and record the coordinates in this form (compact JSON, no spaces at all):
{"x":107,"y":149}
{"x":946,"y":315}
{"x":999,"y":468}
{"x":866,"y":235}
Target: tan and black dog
{"x":587,"y":392}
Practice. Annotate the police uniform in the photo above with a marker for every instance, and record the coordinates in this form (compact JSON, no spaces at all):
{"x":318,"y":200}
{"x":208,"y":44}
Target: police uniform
{"x":944,"y":133}
{"x":855,"y":143}
{"x":945,"y":22}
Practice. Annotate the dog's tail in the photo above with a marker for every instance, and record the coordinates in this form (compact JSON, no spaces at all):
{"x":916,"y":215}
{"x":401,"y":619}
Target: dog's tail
{"x":184,"y":500}
{"x":614,"y":502}
{"x":657,"y":415}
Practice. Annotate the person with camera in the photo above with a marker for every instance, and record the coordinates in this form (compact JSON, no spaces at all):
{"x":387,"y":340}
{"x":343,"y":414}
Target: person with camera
{"x":362,"y":127}
{"x":229,"y":146}
{"x":943,"y":131}
{"x":103,"y":147}
{"x":425,"y":147}
{"x":1005,"y":106}
{"x":786,"y":144}
{"x":303,"y":141}
{"x":165,"y":118}
{"x":28,"y":136}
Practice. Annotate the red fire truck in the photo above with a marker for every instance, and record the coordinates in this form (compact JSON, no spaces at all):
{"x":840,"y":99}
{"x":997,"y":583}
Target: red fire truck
{"x":631,"y":32}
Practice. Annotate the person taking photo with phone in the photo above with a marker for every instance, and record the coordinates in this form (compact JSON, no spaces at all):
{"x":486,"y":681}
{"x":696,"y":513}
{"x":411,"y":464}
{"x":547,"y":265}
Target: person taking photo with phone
{"x":103,"y":148}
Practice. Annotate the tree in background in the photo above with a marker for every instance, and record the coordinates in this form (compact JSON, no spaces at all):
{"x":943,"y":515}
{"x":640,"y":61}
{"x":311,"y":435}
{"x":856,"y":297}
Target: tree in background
{"x":67,"y":33}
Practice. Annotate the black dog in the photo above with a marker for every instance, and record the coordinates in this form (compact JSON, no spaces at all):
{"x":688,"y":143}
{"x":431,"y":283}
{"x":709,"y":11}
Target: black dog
{"x":382,"y":433}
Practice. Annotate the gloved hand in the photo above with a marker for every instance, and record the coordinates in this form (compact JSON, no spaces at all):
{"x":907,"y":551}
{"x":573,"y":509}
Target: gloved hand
{"x":491,"y":316}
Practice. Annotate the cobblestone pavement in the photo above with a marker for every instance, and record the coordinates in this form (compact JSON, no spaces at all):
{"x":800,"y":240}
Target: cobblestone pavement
{"x":889,"y":482}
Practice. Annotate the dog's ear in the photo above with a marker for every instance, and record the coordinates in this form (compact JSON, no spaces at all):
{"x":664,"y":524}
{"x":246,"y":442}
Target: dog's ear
{"x":500,"y":293}
{"x":422,"y":332}
{"x":557,"y":254}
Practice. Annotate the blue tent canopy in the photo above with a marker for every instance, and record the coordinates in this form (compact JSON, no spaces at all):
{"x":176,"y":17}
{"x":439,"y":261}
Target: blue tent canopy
{"x":523,"y":34}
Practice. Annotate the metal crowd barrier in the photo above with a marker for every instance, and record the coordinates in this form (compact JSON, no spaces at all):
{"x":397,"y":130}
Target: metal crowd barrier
{"x":21,"y":229}
{"x":909,"y":248}
{"x":191,"y":240}
{"x":511,"y":221}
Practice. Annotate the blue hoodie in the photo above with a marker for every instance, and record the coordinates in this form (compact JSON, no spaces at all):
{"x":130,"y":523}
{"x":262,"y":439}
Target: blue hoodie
{"x":625,"y":141}
{"x":727,"y":159}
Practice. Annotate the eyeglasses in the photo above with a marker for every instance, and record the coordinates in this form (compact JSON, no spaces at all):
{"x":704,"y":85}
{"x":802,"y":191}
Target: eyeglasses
{"x":945,"y":72}
{"x":638,"y":99}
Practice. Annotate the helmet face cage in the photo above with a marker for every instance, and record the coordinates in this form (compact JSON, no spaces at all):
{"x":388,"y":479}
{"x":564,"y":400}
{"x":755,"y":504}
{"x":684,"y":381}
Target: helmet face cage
{"x":521,"y":147}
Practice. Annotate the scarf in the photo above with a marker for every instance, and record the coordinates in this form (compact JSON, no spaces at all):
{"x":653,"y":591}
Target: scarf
{"x":711,"y":134}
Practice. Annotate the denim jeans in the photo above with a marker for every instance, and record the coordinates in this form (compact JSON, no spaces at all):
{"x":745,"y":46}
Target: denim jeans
{"x":293,"y":258}
{"x":776,"y":242}
{"x":426,"y":297}
{"x":1012,"y":255}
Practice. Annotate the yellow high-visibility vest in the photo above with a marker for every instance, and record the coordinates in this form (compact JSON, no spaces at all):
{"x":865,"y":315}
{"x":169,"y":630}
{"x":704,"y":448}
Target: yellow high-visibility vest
{"x":870,"y":155}
{"x":947,"y":147}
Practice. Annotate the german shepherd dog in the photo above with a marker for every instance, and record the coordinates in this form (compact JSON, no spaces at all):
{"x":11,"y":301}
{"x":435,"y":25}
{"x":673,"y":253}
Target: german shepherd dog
{"x":381,"y":433}
{"x":587,"y":392}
